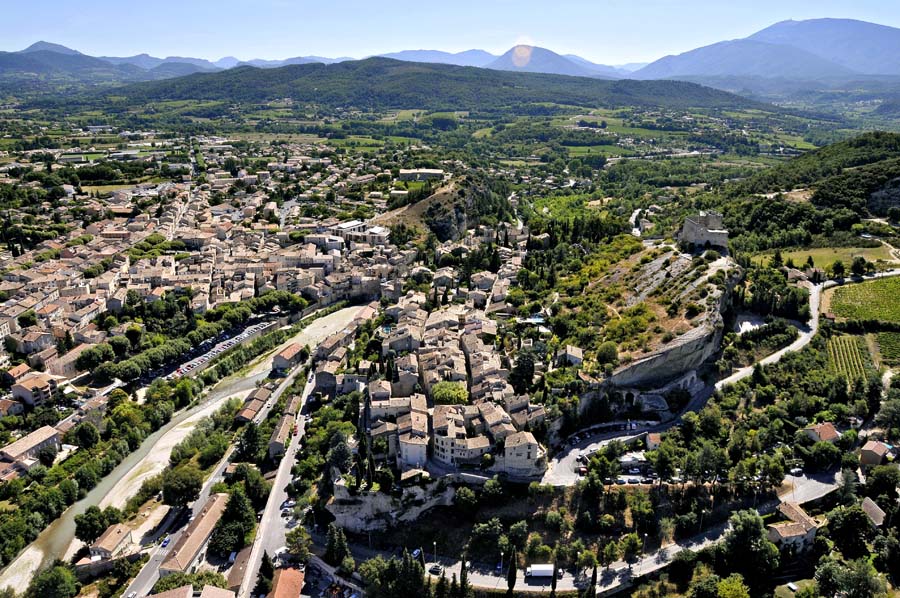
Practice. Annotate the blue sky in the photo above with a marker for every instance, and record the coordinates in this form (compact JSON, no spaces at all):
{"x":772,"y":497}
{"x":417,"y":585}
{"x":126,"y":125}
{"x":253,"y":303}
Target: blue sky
{"x":606,"y":31}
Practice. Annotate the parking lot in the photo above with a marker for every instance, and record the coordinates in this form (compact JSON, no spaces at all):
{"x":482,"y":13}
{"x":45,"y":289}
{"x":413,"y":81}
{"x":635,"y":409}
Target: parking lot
{"x":199,"y":363}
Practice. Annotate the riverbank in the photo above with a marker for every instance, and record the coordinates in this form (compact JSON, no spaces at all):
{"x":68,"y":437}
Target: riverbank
{"x":58,"y":539}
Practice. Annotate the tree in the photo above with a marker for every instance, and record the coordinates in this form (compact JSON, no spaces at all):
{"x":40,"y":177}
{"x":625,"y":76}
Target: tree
{"x":336,"y":548}
{"x":856,"y":579}
{"x":464,"y":589}
{"x":609,"y":554}
{"x":888,"y":416}
{"x":511,"y":574}
{"x":266,"y":573}
{"x":90,"y":524}
{"x":449,"y":393}
{"x":86,"y":435}
{"x":850,"y":529}
{"x":56,"y":582}
{"x":248,"y":443}
{"x":631,"y":547}
{"x":837,"y":269}
{"x":339,"y":455}
{"x":26,"y":319}
{"x":299,"y":542}
{"x":47,"y":455}
{"x":181,"y":485}
{"x":733,"y":587}
{"x":522,"y":373}
{"x":883,"y":481}
{"x":747,"y":549}
{"x":607,"y":352}
{"x":465,"y":500}
{"x":442,"y":587}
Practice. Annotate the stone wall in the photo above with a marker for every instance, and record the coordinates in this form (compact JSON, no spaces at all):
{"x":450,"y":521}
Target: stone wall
{"x":374,"y":511}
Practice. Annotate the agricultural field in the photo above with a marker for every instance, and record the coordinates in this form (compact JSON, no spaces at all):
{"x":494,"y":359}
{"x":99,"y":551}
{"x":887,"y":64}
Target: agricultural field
{"x":845,"y":356}
{"x":889,"y":347}
{"x":873,"y":300}
{"x":825,"y":256}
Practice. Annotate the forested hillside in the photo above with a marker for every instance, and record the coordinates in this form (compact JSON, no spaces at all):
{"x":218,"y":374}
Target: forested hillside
{"x":381,"y":83}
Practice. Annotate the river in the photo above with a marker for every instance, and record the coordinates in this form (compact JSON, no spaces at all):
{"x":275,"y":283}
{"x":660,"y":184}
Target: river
{"x":57,"y":539}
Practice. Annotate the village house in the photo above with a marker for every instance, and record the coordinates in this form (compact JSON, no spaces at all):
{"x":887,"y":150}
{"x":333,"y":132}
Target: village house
{"x":287,"y":358}
{"x":35,"y":389}
{"x":798,"y":533}
{"x":187,"y":552}
{"x":112,"y":542}
{"x":30,"y":445}
{"x":873,"y":453}
{"x":824,"y":432}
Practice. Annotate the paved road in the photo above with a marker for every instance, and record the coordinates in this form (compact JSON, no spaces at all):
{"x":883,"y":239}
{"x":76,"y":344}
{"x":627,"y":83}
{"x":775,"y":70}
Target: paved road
{"x":315,"y":332}
{"x":143,"y":583}
{"x":270,"y":536}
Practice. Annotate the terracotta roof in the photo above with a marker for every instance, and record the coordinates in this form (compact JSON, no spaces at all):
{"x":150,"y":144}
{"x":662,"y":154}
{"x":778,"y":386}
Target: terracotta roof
{"x":113,"y":536}
{"x":825,"y":431}
{"x":795,"y":513}
{"x":17,"y":371}
{"x":214,"y":592}
{"x":182,"y":592}
{"x":290,"y":351}
{"x":195,"y":536}
{"x":874,"y":446}
{"x":287,"y":583}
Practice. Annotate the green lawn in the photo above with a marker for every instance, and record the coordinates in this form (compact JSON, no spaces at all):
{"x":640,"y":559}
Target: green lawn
{"x":873,"y":300}
{"x":825,"y":256}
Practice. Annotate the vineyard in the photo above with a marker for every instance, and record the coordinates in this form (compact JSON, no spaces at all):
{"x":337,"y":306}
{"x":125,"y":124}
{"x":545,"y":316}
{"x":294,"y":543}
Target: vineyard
{"x":875,"y":300}
{"x":889,"y":347}
{"x":845,"y":356}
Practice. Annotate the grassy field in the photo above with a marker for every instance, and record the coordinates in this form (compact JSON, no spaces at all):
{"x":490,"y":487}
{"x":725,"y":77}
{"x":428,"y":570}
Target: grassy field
{"x":845,"y":356}
{"x":825,"y":256}
{"x":101,"y":189}
{"x":873,"y":300}
{"x":576,"y":151}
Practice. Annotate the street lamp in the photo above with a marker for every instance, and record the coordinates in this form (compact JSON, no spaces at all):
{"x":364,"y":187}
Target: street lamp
{"x":501,"y":563}
{"x":435,"y":551}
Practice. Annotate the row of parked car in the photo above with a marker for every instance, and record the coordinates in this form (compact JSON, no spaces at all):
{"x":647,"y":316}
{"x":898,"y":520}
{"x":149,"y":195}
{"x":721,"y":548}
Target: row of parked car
{"x":225,"y":345}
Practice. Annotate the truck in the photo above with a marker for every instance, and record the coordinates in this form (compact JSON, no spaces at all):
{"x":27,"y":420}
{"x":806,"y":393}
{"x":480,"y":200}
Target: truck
{"x":539,"y":571}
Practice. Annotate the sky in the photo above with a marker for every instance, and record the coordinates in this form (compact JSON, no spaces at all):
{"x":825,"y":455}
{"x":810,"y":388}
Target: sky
{"x":604,"y":31}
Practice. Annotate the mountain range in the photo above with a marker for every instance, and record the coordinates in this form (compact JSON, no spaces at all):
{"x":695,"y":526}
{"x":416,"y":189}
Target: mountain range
{"x":795,"y":55}
{"x":382,"y":83}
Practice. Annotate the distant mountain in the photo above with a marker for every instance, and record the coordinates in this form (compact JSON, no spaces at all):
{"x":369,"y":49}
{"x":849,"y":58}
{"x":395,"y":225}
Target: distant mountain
{"x":145,"y":61}
{"x":38,"y":68}
{"x":48,"y":47}
{"x":382,"y":83}
{"x":201,"y":62}
{"x":227,"y":62}
{"x":271,"y":64}
{"x":478,"y":58}
{"x":856,"y":45}
{"x":630,"y":67}
{"x":531,"y":59}
{"x":168,"y":70}
{"x":744,"y":58}
{"x":599,"y":69}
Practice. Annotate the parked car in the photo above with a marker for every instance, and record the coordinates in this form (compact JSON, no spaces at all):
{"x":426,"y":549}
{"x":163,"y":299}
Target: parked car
{"x":435,"y":569}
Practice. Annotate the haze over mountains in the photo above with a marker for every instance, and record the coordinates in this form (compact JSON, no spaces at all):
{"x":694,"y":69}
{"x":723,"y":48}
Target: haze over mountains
{"x":796,"y":54}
